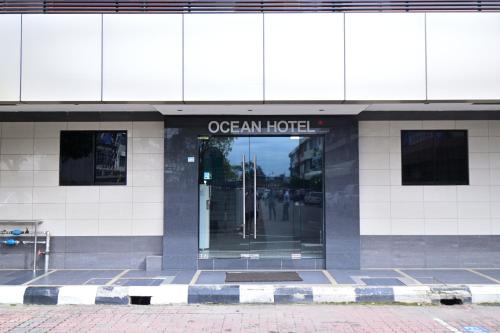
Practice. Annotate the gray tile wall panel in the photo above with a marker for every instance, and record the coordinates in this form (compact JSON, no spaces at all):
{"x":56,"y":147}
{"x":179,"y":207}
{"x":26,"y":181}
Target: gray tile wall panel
{"x":430,"y":251}
{"x":180,"y":242}
{"x":342,"y":194}
{"x":87,"y":252}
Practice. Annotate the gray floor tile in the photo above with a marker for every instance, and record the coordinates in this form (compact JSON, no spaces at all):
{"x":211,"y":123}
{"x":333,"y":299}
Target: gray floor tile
{"x":313,"y":277}
{"x":211,"y":278}
{"x":351,"y":276}
{"x":74,"y":277}
{"x":16,"y":277}
{"x":446,"y":276}
{"x":138,"y":282}
{"x":382,"y":282}
{"x":151,"y":274}
{"x":97,"y":282}
{"x":494,"y":273}
{"x":183,"y":277}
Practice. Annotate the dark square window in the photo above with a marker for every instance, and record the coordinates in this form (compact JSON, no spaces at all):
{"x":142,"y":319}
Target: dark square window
{"x":93,"y":158}
{"x":435,"y":157}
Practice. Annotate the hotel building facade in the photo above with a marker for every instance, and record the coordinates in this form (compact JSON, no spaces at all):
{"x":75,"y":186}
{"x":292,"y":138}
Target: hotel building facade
{"x":252,"y":138}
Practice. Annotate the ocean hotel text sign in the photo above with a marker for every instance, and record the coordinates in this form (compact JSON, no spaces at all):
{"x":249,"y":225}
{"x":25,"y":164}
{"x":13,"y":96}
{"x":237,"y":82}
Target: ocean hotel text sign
{"x":255,"y":127}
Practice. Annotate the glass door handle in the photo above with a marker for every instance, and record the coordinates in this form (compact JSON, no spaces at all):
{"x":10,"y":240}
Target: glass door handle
{"x":243,"y":191}
{"x":254,"y":197}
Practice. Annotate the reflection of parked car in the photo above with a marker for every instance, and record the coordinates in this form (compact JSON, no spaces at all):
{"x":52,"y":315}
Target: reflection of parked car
{"x":313,"y":198}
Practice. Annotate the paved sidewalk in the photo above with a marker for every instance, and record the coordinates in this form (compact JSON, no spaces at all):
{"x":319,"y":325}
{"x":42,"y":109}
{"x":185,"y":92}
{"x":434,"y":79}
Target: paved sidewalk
{"x":251,"y":318}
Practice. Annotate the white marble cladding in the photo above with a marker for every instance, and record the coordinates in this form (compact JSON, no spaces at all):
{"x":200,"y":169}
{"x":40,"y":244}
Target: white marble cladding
{"x":29,"y":181}
{"x":388,"y":208}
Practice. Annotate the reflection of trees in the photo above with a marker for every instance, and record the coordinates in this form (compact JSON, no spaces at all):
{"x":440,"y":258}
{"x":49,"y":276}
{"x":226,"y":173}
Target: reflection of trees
{"x":214,"y":153}
{"x":214,"y":158}
{"x":222,"y":144}
{"x":262,"y":179}
{"x":314,"y":183}
{"x":260,"y":172}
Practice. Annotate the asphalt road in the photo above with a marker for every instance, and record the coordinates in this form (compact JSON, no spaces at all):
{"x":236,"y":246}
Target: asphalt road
{"x":251,"y":318}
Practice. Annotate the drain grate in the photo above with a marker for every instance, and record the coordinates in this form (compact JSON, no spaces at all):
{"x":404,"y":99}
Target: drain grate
{"x":451,"y":301}
{"x":140,"y":300}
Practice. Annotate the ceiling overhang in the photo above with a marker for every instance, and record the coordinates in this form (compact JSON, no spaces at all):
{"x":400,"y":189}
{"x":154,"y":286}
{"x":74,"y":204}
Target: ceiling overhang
{"x":228,"y":108}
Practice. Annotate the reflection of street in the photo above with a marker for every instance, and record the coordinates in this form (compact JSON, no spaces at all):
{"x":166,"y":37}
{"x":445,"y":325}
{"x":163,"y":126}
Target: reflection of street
{"x":298,"y":225}
{"x":297,"y":211}
{"x":276,"y":237}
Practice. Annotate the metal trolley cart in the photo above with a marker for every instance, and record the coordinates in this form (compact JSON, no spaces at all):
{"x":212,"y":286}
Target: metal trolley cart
{"x":14,"y":232}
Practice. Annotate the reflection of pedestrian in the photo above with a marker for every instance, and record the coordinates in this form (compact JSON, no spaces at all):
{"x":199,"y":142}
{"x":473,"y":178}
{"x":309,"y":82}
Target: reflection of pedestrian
{"x":249,"y":213}
{"x":286,"y":204}
{"x":271,"y":205}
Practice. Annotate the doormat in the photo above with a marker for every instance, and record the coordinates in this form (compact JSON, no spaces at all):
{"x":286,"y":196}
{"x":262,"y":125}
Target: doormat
{"x":262,"y":276}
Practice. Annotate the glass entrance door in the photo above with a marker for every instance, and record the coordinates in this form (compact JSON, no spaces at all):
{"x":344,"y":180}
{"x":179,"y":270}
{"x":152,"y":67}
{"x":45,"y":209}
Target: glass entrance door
{"x":261,"y":197}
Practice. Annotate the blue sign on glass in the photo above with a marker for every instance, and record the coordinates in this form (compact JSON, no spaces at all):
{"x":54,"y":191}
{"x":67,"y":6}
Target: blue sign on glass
{"x":475,"y":329}
{"x":207,"y":176}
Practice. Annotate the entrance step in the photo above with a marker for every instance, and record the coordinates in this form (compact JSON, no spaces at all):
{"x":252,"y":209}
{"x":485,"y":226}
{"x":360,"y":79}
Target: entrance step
{"x":154,"y":263}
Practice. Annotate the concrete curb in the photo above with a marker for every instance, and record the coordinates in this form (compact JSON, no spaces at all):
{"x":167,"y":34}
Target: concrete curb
{"x":247,"y":294}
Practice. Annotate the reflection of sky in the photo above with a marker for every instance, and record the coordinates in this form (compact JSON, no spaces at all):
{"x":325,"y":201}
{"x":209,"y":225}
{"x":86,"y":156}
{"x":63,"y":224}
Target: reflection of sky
{"x":272,"y":153}
{"x":239,"y":148}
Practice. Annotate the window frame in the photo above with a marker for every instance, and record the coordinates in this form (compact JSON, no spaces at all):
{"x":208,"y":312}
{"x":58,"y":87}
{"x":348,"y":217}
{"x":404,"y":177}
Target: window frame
{"x":94,"y":134}
{"x":435,"y":182}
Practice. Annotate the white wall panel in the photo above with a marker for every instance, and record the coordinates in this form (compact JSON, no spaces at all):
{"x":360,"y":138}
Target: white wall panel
{"x":388,"y":208}
{"x":463,"y":52}
{"x":142,"y":57}
{"x":10,"y":56}
{"x":385,"y":56}
{"x":223,"y":57}
{"x":29,"y":183}
{"x":61,"y":58}
{"x":304,"y":56}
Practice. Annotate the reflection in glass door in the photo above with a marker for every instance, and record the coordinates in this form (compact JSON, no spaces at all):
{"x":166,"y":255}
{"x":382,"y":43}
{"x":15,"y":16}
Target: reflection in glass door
{"x":223,"y":190}
{"x":261,"y":197}
{"x":289,"y":193}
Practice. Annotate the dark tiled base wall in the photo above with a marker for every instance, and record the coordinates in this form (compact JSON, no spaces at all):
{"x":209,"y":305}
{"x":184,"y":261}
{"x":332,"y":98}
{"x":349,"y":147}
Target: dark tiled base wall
{"x":126,"y":252}
{"x":430,"y":251}
{"x":376,"y":252}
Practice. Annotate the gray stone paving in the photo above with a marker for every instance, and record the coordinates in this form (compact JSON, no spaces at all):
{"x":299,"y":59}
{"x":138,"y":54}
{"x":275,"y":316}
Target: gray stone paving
{"x":251,"y":318}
